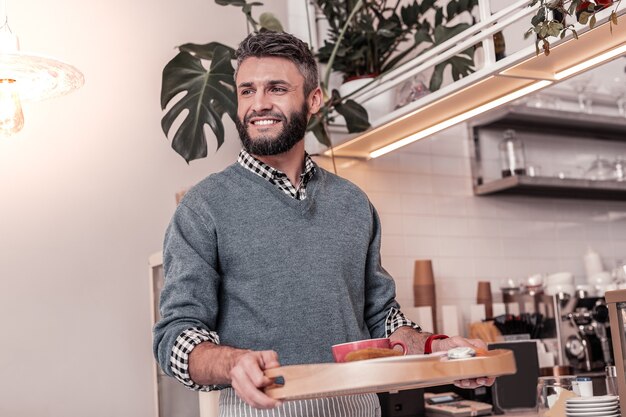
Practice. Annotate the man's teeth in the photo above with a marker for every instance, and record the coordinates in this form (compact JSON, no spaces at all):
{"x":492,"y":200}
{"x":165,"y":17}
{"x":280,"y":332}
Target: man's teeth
{"x":264,"y":122}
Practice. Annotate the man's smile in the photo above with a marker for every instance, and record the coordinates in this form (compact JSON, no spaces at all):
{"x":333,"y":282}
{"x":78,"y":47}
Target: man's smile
{"x":264,"y":121}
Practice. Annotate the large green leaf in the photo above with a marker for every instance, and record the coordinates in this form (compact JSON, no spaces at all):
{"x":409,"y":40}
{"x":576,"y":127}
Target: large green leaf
{"x":317,"y":125}
{"x":208,"y":95}
{"x":239,"y":3}
{"x":437,"y":78}
{"x":451,"y":9}
{"x":354,"y":114}
{"x":410,"y":13}
{"x":205,"y":51}
{"x":426,"y":5}
{"x":269,"y":22}
{"x":443,"y":33}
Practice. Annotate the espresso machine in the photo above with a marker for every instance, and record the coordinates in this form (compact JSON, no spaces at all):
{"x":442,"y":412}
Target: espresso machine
{"x":575,"y":329}
{"x":585,"y":333}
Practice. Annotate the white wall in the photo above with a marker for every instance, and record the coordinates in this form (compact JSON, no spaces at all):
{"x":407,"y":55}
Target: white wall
{"x":87,"y":189}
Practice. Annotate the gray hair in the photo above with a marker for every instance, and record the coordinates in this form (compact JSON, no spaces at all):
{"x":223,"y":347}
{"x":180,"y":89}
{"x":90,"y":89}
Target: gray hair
{"x":281,"y":45}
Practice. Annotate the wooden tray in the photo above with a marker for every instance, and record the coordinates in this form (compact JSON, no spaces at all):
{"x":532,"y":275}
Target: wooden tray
{"x":384,"y":374}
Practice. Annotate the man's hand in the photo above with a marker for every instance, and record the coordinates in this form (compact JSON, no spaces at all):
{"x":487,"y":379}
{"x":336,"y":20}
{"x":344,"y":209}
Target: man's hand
{"x":243,"y":369}
{"x":458,"y":341}
{"x":248,"y":379}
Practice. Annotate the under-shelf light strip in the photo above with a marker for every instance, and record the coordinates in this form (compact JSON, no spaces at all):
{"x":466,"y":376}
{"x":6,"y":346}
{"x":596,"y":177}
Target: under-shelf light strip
{"x":461,"y":118}
{"x":609,"y":55}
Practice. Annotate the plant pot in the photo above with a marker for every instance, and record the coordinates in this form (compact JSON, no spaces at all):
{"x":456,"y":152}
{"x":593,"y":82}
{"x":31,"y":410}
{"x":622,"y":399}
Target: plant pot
{"x":377,"y":106}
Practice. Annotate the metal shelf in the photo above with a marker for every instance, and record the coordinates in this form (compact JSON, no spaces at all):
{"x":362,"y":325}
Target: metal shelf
{"x":554,"y":187}
{"x":560,"y":122}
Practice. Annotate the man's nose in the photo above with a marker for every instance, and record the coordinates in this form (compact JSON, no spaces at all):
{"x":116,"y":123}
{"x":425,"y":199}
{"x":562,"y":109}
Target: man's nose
{"x":261,"y":102}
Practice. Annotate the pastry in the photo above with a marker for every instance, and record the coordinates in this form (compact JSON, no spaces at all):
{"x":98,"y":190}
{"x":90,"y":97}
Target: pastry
{"x":371,"y":353}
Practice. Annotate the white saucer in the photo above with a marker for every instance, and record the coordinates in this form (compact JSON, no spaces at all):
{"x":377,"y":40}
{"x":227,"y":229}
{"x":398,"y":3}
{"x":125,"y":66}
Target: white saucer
{"x":587,"y":400}
{"x":604,"y":408}
{"x":593,"y":413}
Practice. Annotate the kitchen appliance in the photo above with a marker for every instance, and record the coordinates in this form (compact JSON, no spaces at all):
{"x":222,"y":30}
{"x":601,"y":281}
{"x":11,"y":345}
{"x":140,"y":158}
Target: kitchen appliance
{"x":585,"y":334}
{"x":575,"y":329}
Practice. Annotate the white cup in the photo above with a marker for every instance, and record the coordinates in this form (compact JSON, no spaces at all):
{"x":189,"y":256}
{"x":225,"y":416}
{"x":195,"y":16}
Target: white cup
{"x":601,"y":278}
{"x":564,"y":288}
{"x":560,"y":278}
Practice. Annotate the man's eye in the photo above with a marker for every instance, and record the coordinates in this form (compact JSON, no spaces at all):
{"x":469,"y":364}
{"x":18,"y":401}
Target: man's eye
{"x":245,"y":92}
{"x":279,"y":89}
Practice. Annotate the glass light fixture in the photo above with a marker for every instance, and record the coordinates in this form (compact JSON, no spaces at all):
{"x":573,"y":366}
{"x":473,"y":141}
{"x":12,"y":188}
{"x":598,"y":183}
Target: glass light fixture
{"x":28,"y":77}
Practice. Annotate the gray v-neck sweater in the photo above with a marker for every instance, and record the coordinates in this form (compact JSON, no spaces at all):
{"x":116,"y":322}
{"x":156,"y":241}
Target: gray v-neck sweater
{"x":266,"y":271}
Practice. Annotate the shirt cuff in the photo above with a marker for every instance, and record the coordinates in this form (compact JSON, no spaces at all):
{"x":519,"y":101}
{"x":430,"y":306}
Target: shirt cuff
{"x":395,"y":320}
{"x":179,"y":359}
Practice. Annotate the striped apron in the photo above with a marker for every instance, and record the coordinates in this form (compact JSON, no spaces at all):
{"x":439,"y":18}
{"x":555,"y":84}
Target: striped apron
{"x":365,"y":405}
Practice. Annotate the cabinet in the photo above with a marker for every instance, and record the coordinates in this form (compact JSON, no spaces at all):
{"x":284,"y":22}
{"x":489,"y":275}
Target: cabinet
{"x":560,"y":145}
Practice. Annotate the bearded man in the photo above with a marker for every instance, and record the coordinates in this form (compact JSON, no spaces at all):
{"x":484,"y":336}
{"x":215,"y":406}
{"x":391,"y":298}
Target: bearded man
{"x":274,"y":260}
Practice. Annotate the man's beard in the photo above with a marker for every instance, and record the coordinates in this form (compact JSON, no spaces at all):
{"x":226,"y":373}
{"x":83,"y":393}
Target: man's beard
{"x":264,"y":145}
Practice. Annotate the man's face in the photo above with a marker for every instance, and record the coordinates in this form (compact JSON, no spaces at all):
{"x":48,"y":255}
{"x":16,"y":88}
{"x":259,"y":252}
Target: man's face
{"x":272,"y":111}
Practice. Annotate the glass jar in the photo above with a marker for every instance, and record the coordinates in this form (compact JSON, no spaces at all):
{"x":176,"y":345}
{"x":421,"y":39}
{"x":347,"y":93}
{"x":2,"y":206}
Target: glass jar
{"x":553,"y":393}
{"x":611,"y":380}
{"x":600,"y":170}
{"x":619,"y":169}
{"x":512,"y":158}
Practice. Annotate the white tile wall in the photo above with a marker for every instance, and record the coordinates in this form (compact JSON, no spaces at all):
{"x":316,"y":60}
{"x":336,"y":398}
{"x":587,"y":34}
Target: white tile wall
{"x":423,"y":194}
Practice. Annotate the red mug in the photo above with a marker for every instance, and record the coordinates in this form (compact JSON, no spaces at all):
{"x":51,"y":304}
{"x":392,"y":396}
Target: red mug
{"x":340,"y":351}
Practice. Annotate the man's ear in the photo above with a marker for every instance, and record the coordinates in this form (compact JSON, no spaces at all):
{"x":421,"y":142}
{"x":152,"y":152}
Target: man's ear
{"x":315,"y":100}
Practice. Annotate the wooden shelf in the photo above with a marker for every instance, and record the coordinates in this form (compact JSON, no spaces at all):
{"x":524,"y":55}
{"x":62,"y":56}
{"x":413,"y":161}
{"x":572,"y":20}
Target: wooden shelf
{"x":559,"y":122}
{"x":554,"y":187}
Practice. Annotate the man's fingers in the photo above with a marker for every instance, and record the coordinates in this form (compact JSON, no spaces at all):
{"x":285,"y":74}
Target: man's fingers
{"x":478,"y":343}
{"x":249,"y":393}
{"x":248,"y":378}
{"x":475,"y":383}
{"x":270,"y":359}
{"x":486,"y":381}
{"x":467,"y":383}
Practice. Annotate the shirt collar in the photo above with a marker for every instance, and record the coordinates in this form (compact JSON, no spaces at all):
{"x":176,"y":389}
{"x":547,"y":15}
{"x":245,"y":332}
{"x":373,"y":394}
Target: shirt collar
{"x":262,"y":169}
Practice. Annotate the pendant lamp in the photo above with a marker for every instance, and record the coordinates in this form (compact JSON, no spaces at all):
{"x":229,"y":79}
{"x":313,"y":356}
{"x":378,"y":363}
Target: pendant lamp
{"x":28,"y":77}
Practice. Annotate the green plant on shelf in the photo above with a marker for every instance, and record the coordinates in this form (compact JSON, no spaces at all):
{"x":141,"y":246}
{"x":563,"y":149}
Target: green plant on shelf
{"x":551,"y":19}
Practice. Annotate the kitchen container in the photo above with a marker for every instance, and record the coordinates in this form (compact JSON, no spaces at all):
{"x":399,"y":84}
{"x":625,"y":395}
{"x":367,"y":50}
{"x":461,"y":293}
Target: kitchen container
{"x":512,"y":158}
{"x":483,"y":296}
{"x":611,"y":380}
{"x":553,"y":393}
{"x":619,"y":169}
{"x":600,"y":170}
{"x":424,"y":294}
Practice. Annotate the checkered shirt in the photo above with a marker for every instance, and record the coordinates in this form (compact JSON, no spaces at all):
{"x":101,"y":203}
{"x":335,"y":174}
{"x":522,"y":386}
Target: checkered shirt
{"x":277,"y":177}
{"x":190,"y":338}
